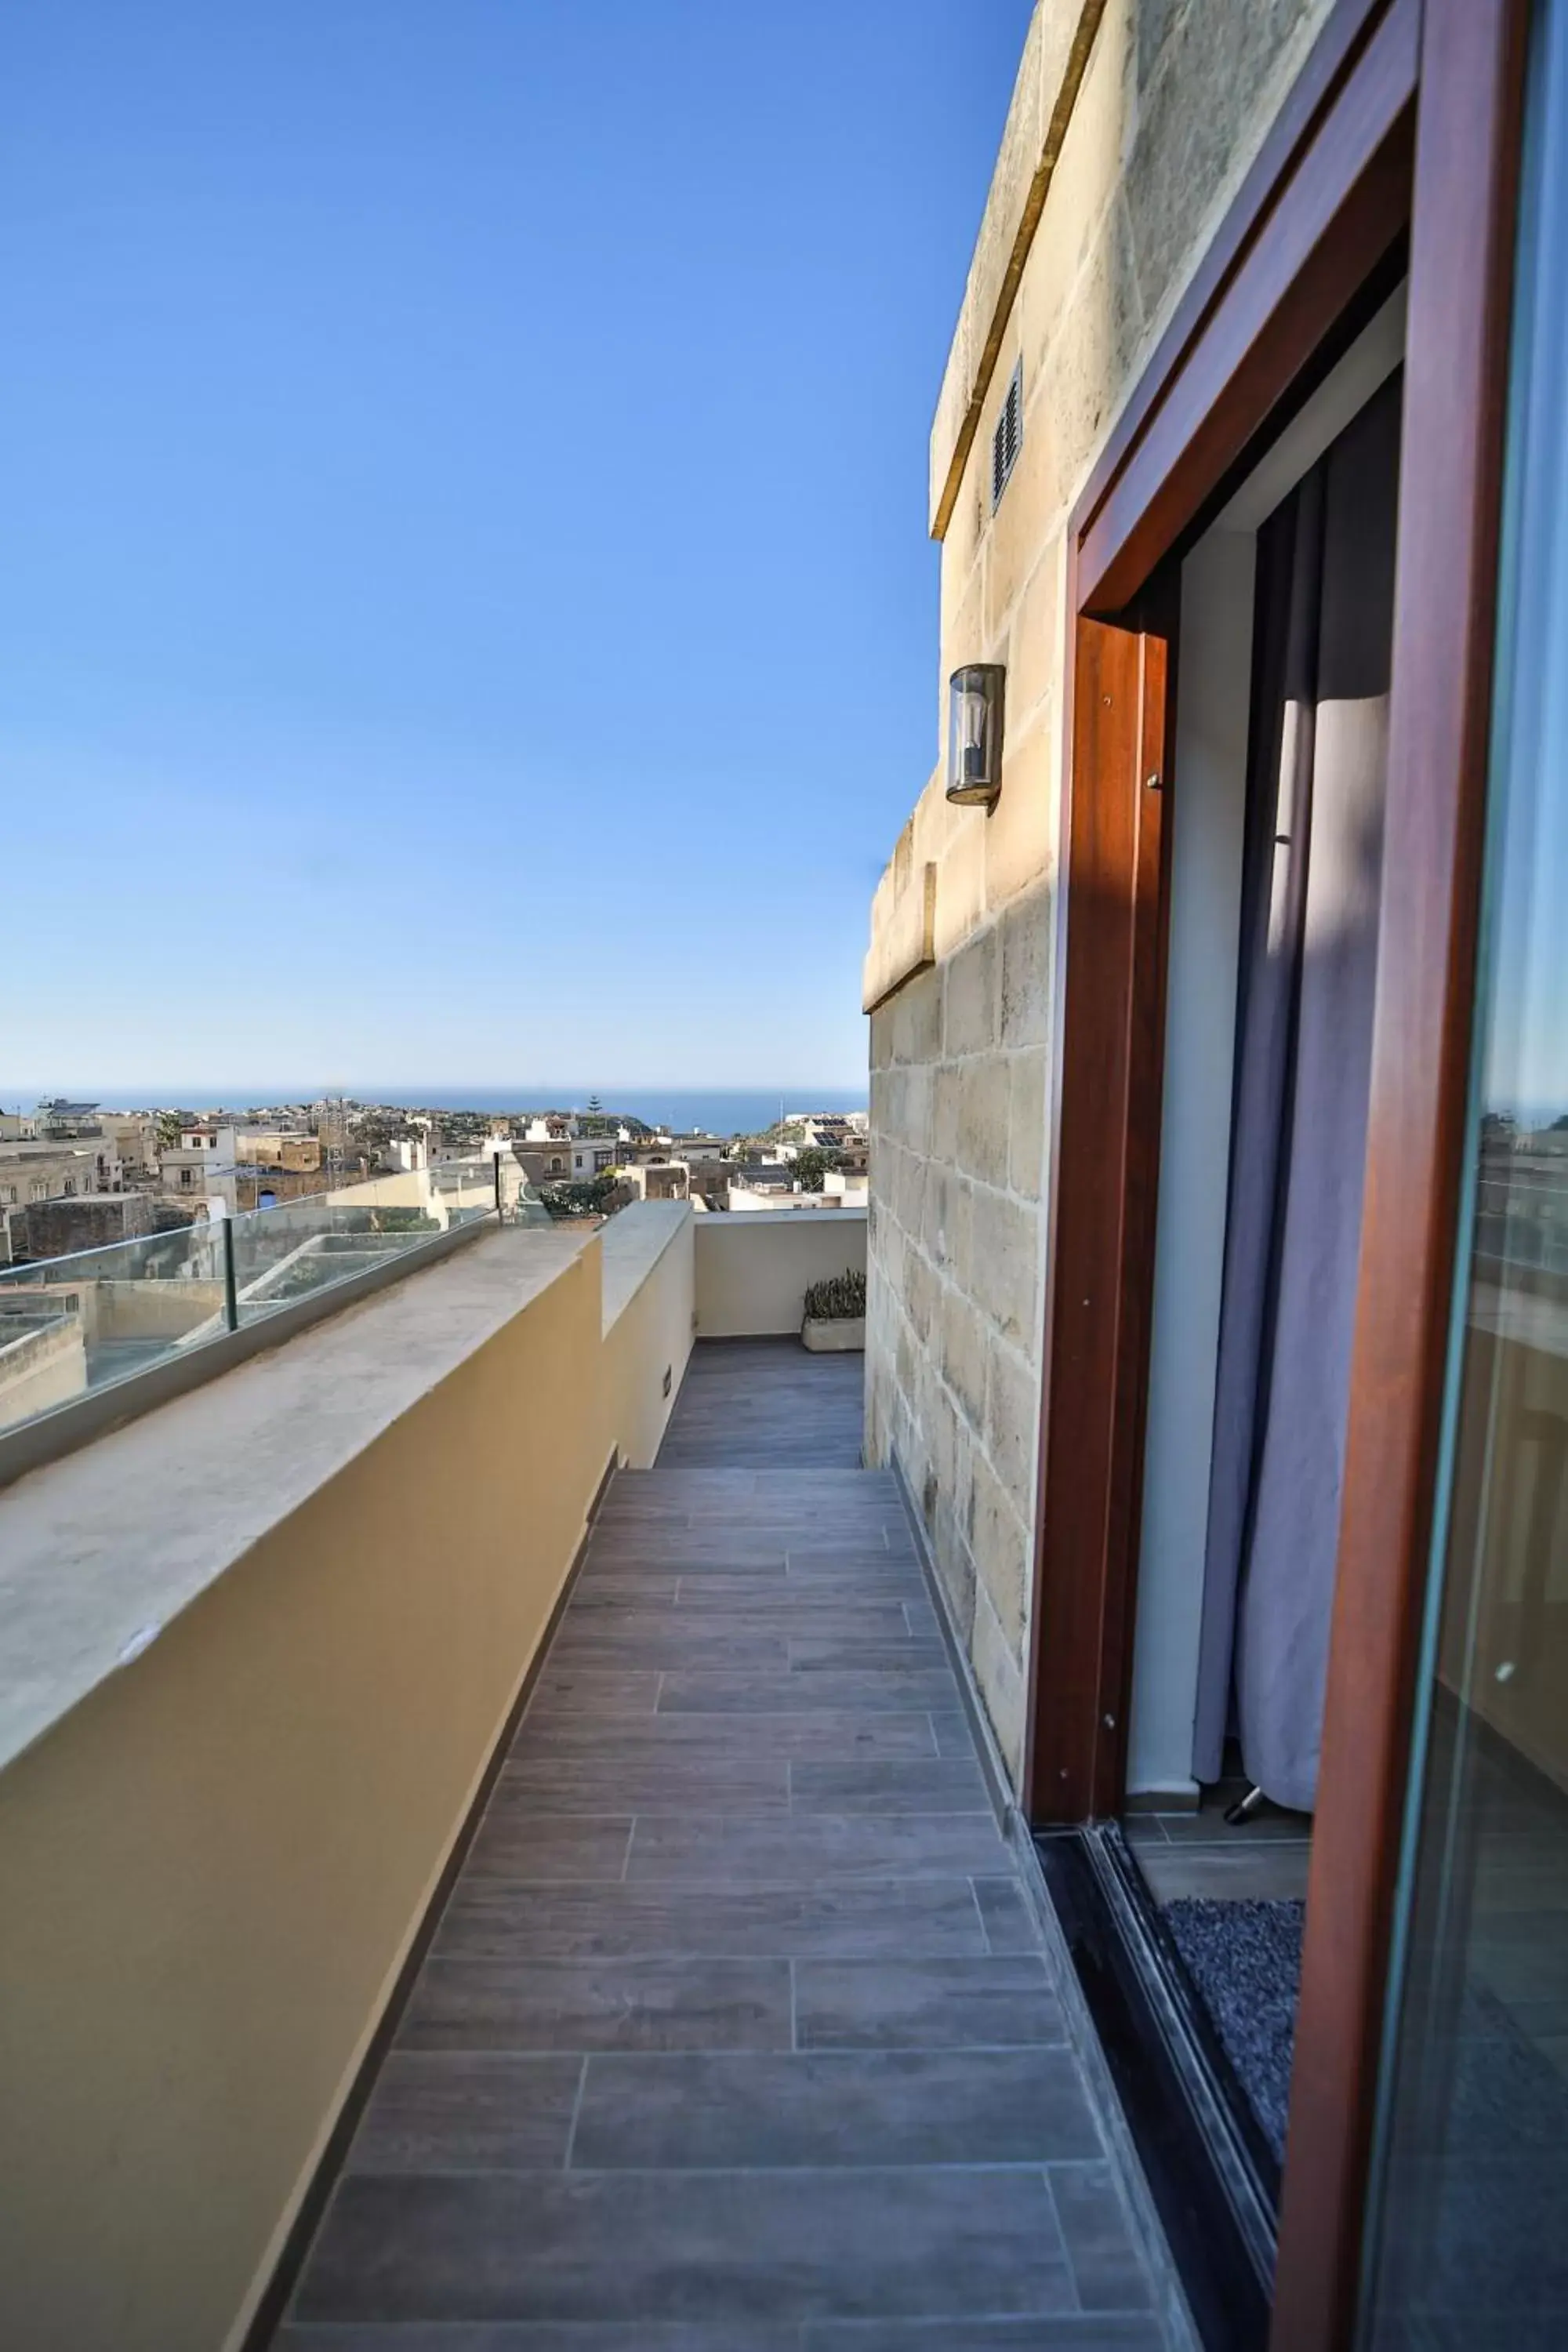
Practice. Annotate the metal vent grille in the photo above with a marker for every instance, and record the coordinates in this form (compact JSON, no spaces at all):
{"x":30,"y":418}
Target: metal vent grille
{"x":1008,"y":437}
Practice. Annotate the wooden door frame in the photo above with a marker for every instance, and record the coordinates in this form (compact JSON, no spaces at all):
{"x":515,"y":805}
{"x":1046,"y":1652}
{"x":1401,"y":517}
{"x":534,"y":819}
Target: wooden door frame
{"x":1327,"y":199}
{"x":1403,"y":122}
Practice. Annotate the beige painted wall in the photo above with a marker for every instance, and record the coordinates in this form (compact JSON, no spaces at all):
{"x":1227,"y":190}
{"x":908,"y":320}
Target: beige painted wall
{"x":752,"y":1272}
{"x":1166,"y":102}
{"x":214,"y":1863}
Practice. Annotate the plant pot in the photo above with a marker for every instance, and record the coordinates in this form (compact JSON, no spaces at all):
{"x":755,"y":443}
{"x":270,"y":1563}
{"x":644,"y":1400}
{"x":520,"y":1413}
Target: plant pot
{"x":834,"y":1335}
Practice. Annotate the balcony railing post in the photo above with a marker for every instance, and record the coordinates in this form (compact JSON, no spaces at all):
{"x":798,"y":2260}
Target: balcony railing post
{"x":230,"y":1292}
{"x":496,"y":1164}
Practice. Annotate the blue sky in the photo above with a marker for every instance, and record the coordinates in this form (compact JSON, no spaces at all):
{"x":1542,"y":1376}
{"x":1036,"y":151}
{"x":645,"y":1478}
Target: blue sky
{"x":467,"y":611}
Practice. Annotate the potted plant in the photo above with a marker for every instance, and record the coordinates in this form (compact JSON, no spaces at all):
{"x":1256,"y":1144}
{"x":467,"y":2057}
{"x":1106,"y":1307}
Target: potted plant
{"x":835,"y":1314}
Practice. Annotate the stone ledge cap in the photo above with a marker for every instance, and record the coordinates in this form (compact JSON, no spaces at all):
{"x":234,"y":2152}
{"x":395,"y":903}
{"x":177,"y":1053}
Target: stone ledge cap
{"x":1056,"y":53}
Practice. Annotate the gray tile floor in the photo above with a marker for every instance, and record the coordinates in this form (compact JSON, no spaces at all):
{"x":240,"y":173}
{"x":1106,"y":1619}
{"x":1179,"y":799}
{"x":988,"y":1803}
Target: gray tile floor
{"x":736,"y":2035}
{"x":766,"y":1403}
{"x":1198,"y":1852}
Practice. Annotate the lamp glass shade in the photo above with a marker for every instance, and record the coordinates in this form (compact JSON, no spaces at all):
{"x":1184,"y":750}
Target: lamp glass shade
{"x":975,"y":733}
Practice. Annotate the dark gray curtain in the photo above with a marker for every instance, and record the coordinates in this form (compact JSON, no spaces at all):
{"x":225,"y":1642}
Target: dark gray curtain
{"x":1317,"y":761}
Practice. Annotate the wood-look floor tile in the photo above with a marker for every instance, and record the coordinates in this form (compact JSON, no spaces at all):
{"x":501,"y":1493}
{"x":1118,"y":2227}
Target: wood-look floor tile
{"x":824,"y":1735}
{"x":466,"y":2111}
{"x":608,"y":1590}
{"x":1273,"y":1871}
{"x":599,"y":1690}
{"x":680,"y":1552}
{"x":871,"y":1690}
{"x":543,"y":2336}
{"x":593,"y":1922}
{"x":848,"y":1570}
{"x":810,"y":1654}
{"x":516,"y":1841}
{"x":946,"y":1785}
{"x":1009,"y":1923}
{"x":936,"y":2004}
{"x":512,"y":2003}
{"x":1129,"y":2332}
{"x":835,"y":2107}
{"x":1106,"y":2265}
{"x":643,"y":2246}
{"x":606,"y":1641}
{"x":666,"y":1780}
{"x":952,"y":1732}
{"x":810,"y":1850}
{"x":794,"y":1615}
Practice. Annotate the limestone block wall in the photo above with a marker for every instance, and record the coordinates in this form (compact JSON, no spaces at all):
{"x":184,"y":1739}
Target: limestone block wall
{"x":1132,"y":124}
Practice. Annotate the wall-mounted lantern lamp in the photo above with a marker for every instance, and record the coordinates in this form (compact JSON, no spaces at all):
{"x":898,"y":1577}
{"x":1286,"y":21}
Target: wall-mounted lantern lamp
{"x":975,"y":733}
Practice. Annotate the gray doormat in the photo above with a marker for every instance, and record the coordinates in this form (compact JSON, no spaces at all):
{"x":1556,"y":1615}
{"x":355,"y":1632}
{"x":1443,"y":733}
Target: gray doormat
{"x":1245,"y":1962}
{"x":1477,"y":2245}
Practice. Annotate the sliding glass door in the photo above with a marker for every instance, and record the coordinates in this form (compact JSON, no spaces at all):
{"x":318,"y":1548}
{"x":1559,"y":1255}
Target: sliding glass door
{"x":1470,"y":2239}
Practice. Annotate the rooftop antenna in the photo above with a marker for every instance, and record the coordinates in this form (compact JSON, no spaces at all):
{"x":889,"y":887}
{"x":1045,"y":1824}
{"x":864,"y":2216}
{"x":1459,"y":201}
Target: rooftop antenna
{"x":333,"y":1128}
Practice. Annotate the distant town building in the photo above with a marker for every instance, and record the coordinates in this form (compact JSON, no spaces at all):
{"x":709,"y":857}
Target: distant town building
{"x":263,"y":1187}
{"x":745,"y":1198}
{"x":36,"y":1172}
{"x":653,"y":1179}
{"x":277,"y":1147}
{"x":593,"y":1157}
{"x":202,"y":1166}
{"x":407,"y":1153}
{"x":133,"y":1137}
{"x":829,"y":1130}
{"x":61,"y":1227}
{"x":544,"y":1163}
{"x":59,"y":1119}
{"x":708,"y":1181}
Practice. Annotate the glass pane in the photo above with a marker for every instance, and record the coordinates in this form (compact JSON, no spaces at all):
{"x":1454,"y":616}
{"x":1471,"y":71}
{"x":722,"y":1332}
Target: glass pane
{"x":70,"y":1323}
{"x":302,"y":1245}
{"x":1471,"y":2243}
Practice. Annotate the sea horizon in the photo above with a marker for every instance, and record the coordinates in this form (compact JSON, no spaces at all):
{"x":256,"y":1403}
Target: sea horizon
{"x":715,"y":1110}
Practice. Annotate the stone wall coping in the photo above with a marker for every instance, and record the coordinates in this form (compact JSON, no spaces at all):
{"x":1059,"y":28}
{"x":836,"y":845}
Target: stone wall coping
{"x":632,"y":1244}
{"x":101,"y":1550}
{"x":1056,"y":53}
{"x":722,"y":1221}
{"x":903,"y":931}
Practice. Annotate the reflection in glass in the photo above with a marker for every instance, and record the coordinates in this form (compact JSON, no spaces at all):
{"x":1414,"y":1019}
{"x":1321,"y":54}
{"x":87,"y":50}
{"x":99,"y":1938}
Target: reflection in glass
{"x":1471,"y":2246}
{"x":69,"y":1325}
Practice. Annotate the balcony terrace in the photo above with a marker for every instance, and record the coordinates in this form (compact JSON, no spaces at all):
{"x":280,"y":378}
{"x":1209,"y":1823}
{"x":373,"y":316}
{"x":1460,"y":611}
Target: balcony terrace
{"x":469,"y":1899}
{"x":736,"y":2029}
